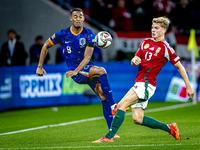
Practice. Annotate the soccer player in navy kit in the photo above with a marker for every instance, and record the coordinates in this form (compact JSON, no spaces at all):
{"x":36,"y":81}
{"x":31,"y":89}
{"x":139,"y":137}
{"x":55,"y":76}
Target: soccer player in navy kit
{"x":78,"y":43}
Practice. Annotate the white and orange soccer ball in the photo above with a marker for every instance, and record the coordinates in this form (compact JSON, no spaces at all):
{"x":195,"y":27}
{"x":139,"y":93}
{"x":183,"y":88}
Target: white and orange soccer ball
{"x":103,"y":39}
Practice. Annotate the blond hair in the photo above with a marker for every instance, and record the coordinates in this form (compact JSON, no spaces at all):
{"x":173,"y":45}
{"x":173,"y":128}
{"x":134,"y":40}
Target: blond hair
{"x":164,"y":22}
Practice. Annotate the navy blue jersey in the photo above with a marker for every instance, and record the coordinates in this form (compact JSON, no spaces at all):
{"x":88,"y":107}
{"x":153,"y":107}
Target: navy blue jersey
{"x":73,"y":44}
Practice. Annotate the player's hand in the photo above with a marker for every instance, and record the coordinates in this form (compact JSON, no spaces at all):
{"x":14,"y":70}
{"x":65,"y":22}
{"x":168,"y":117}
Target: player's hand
{"x":190,"y":93}
{"x":40,"y":72}
{"x":71,"y":73}
{"x":136,"y":61}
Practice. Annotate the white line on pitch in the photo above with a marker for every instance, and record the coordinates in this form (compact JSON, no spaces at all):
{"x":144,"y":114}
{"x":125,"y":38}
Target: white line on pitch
{"x":104,"y":146}
{"x":99,"y":118}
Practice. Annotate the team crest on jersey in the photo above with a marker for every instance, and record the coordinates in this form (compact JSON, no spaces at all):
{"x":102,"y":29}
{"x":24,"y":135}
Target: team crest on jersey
{"x":82,"y":42}
{"x":158,"y":50}
{"x":146,"y":46}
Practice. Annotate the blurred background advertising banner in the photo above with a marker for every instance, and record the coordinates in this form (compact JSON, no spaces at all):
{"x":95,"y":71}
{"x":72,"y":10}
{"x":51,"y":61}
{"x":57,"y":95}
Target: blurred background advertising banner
{"x":130,"y":41}
{"x":35,"y":86}
{"x":21,"y":88}
{"x":177,"y":90}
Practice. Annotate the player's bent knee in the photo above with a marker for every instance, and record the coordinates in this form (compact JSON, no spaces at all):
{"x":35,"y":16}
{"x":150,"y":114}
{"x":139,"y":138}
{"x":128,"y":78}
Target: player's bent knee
{"x":137,"y":120}
{"x":96,"y":71}
{"x":137,"y":115}
{"x":101,"y":70}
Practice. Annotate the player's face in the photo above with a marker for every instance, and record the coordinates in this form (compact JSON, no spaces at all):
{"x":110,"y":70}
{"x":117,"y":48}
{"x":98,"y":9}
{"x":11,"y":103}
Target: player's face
{"x":157,"y":32}
{"x":77,"y":19}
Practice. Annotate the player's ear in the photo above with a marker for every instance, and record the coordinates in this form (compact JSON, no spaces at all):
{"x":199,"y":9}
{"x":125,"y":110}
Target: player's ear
{"x":164,"y":30}
{"x":71,"y":18}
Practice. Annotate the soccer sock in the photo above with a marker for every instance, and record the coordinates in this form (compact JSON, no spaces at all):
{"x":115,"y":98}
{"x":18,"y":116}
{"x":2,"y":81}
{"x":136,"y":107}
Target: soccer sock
{"x":107,"y":112}
{"x":106,"y":88}
{"x":116,"y":123}
{"x":154,"y":124}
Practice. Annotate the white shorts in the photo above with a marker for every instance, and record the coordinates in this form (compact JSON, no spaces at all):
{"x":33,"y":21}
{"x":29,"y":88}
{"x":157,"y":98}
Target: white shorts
{"x":144,"y":92}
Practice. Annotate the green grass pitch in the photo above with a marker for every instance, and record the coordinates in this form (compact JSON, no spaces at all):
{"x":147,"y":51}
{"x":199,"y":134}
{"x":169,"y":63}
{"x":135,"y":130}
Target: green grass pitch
{"x":80,"y":134}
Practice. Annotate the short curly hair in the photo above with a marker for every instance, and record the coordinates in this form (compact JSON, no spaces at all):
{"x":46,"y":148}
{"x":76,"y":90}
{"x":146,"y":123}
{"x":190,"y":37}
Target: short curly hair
{"x":164,"y":22}
{"x":76,"y":9}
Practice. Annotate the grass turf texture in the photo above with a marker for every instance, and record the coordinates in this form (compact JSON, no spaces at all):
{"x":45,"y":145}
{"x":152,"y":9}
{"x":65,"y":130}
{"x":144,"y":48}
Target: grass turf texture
{"x":80,"y":135}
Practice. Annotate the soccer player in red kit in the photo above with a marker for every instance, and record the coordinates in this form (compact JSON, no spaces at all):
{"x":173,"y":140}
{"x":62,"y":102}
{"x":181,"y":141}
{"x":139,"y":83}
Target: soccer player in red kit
{"x":151,"y":56}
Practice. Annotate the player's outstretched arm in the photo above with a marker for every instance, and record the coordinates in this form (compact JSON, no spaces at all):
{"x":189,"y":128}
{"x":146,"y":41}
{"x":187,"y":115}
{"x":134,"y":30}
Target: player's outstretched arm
{"x":40,"y":70}
{"x":135,"y":61}
{"x":183,"y":74}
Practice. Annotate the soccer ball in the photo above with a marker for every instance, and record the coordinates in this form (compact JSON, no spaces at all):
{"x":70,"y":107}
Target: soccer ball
{"x":103,"y":39}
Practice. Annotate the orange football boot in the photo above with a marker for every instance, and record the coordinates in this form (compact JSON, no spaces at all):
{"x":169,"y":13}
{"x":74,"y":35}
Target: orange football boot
{"x":113,"y":112}
{"x":116,"y":136}
{"x":102,"y":140}
{"x":174,"y":131}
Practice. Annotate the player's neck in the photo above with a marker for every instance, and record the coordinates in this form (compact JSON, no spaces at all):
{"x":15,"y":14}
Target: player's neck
{"x":76,"y":30}
{"x":159,"y":38}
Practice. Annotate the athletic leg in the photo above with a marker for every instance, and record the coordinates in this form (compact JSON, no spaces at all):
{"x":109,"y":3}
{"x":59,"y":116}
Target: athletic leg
{"x":107,"y":112}
{"x":145,"y":92}
{"x":129,"y":99}
{"x":106,"y":89}
{"x":103,"y":79}
{"x":140,"y":119}
{"x":105,"y":104}
{"x":82,"y":78}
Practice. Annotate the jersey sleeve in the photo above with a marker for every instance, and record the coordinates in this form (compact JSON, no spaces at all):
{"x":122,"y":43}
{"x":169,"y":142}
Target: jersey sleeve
{"x":56,"y":37}
{"x":90,"y":39}
{"x":139,"y":52}
{"x":173,"y":57}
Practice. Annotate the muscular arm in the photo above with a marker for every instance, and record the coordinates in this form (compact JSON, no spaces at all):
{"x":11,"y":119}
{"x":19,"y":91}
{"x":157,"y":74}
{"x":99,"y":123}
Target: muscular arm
{"x":87,"y":57}
{"x":43,"y":53}
{"x":40,"y":70}
{"x":183,"y":74}
{"x":85,"y":61}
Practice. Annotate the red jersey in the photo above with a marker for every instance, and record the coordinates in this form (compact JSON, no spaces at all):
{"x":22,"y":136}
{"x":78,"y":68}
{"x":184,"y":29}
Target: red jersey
{"x":154,"y":55}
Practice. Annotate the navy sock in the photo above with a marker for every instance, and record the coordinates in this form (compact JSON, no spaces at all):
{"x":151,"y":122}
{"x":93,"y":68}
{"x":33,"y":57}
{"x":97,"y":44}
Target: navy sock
{"x":106,"y":88}
{"x":107,"y":112}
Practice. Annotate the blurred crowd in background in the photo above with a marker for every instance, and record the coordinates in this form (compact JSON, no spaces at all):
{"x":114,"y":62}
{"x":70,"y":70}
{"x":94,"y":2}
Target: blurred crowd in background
{"x":13,"y":52}
{"x":136,"y":15}
{"x":119,"y":15}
